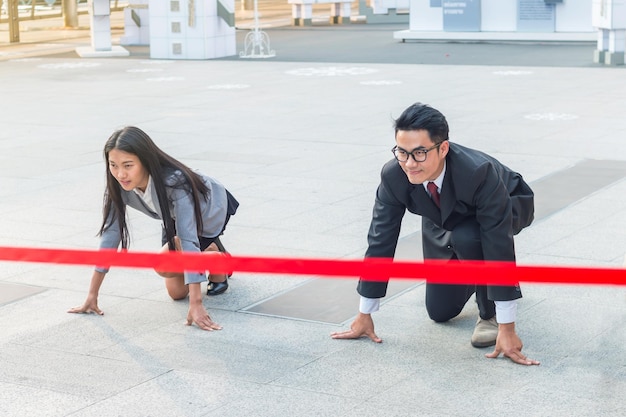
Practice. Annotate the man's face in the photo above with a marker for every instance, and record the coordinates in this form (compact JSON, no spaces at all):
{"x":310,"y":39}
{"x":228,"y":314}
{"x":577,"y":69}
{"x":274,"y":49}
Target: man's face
{"x":428,"y":170}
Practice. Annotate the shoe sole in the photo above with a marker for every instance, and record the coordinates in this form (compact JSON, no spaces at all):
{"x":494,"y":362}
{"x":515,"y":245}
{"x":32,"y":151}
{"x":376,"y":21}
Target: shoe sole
{"x":483,"y":344}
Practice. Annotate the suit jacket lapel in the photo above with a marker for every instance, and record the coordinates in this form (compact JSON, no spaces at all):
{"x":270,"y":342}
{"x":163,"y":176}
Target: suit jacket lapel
{"x":425,"y":206}
{"x":155,"y":201}
{"x":447,"y":196}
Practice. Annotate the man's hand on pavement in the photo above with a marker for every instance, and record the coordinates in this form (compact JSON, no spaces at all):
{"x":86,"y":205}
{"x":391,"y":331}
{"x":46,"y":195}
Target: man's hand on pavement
{"x":510,"y":345}
{"x":362,"y":326}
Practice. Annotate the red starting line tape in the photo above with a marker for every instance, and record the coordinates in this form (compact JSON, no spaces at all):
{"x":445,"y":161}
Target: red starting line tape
{"x":374,"y":269}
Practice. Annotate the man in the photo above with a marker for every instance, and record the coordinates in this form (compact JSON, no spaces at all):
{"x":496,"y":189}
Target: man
{"x":471,"y":206}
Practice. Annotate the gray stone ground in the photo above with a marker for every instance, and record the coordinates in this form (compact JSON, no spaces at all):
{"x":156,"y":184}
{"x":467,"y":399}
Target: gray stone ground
{"x":300,"y":144}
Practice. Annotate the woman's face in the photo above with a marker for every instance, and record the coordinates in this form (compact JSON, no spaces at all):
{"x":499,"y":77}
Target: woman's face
{"x":128,"y":170}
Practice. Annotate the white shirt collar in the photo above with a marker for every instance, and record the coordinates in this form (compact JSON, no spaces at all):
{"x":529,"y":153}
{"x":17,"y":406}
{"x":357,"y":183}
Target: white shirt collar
{"x":439,"y":180}
{"x":146,"y":195}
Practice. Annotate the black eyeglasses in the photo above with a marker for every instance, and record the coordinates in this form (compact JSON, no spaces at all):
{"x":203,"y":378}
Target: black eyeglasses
{"x":419,"y":154}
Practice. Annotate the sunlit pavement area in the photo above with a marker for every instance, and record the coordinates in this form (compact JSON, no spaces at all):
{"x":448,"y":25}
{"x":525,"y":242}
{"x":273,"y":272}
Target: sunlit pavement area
{"x":299,"y":139}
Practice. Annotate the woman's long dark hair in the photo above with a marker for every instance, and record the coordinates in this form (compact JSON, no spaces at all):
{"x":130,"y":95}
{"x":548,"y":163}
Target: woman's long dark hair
{"x":159,"y":166}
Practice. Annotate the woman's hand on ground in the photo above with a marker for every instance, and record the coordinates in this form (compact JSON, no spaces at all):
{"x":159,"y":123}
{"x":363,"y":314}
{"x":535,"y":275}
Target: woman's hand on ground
{"x":198,"y":315}
{"x":90,"y":306}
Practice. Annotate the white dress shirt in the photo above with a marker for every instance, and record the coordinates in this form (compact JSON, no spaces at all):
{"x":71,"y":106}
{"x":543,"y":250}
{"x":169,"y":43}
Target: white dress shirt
{"x":146,"y":195}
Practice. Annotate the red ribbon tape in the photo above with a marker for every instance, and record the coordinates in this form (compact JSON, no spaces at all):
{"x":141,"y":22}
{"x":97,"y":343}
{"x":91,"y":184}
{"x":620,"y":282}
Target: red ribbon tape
{"x":375,"y":269}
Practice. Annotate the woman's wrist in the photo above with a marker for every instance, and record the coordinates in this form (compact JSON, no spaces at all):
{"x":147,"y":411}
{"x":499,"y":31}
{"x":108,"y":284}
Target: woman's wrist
{"x":195,"y":293}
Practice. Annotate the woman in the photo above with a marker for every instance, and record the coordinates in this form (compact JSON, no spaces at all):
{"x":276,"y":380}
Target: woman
{"x":193,"y":207}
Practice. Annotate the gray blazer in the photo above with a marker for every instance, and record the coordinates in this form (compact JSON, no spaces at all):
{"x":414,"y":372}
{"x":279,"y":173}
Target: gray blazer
{"x":483,"y":204}
{"x":214,"y":209}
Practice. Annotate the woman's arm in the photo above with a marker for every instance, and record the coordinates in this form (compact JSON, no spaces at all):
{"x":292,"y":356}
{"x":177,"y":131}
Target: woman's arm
{"x":197,"y":314}
{"x":91,"y":303}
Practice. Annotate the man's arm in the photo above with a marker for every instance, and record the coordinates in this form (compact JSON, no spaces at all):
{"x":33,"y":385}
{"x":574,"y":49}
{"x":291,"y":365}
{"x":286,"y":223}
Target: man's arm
{"x":494,"y":214}
{"x":382,"y":237}
{"x":382,"y":241}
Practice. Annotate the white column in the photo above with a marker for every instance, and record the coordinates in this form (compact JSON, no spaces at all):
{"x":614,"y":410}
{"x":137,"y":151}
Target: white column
{"x":100,"y":18}
{"x":136,"y":23}
{"x":609,"y":18}
{"x":100,"y":28}
{"x":190,"y":29}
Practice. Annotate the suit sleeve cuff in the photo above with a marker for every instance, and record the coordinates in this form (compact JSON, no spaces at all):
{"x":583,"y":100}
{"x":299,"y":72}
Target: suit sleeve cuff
{"x":506,"y":311}
{"x":369,"y":305}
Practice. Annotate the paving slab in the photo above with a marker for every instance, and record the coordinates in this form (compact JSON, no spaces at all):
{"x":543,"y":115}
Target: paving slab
{"x":300,"y":141}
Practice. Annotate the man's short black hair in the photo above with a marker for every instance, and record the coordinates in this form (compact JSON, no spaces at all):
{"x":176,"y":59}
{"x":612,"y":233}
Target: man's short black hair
{"x":420,"y":116}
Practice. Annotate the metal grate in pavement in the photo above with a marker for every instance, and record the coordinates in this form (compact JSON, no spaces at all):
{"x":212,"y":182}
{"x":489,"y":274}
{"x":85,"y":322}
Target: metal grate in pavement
{"x":13,"y":292}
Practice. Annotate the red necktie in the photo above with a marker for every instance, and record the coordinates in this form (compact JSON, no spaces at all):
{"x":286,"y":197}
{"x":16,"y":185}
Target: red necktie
{"x":434,"y":193}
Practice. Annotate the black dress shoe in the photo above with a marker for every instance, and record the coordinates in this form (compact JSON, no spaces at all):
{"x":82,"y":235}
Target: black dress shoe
{"x":216,"y":288}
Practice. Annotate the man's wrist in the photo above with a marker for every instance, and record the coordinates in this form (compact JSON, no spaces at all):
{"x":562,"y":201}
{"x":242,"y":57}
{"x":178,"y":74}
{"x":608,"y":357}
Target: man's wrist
{"x":506,"y":327}
{"x":506,"y":311}
{"x":369,"y":305}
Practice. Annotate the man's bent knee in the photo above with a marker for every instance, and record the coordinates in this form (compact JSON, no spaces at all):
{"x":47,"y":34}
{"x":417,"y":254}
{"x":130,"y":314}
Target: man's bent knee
{"x":441,"y":315}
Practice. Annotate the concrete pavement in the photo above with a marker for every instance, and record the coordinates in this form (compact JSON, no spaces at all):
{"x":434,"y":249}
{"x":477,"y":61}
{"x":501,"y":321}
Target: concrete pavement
{"x":300,"y":143}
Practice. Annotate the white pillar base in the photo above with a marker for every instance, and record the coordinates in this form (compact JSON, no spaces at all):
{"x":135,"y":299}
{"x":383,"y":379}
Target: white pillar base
{"x":90,"y":52}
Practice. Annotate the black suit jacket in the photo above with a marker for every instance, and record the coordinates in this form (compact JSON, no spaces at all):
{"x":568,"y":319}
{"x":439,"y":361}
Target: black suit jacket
{"x":483,"y":204}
